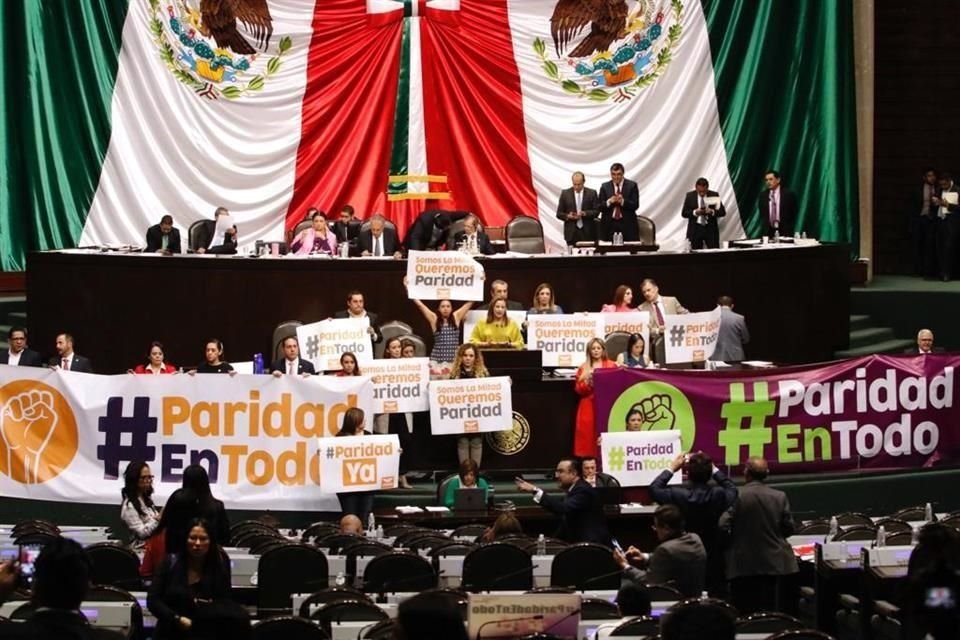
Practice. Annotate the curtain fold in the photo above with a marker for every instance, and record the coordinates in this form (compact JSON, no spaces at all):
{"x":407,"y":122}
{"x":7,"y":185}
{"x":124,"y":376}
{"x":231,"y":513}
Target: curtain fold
{"x":786,"y":96}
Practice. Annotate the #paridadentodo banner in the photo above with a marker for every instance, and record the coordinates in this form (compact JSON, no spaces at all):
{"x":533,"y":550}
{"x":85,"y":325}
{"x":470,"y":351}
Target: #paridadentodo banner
{"x":322,"y":343}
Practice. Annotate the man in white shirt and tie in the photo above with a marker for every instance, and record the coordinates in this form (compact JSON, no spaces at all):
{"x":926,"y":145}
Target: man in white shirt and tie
{"x":658,"y":307}
{"x":577,"y":208}
{"x":19,"y":354}
{"x":778,"y":207}
{"x":66,"y":359}
{"x":291,"y":363}
{"x":701,"y":212}
{"x":379,"y":240}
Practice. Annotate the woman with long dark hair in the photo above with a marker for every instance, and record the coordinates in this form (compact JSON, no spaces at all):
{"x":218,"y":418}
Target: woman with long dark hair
{"x":137,"y":509}
{"x":445,"y":323}
{"x":348,"y":365}
{"x":359,"y":503}
{"x":155,"y":364}
{"x":196,"y":480}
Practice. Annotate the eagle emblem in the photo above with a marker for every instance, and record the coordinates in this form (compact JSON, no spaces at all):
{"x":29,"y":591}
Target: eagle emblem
{"x":217,"y":48}
{"x":610,"y":49}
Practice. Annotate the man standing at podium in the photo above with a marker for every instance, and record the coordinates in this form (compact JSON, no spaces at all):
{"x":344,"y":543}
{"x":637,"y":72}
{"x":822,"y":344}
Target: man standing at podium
{"x":578,"y":209}
{"x":619,"y":201}
{"x":778,"y":207}
{"x":703,"y":231}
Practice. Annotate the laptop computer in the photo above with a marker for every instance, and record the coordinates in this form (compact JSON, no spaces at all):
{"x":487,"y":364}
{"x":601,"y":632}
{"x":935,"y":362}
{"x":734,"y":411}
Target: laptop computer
{"x":469,"y":500}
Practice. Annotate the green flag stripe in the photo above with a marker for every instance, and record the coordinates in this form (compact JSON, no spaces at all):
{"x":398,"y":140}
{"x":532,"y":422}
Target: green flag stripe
{"x":786,"y":98}
{"x":401,"y":122}
{"x":59,"y":67}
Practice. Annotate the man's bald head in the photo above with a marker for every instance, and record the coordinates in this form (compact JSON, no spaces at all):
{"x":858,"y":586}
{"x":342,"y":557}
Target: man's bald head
{"x":351,"y":524}
{"x":756,"y":469}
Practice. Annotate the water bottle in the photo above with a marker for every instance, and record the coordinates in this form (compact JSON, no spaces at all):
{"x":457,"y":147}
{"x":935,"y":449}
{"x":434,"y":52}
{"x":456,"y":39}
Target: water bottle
{"x":619,"y":238}
{"x":796,"y":236}
{"x":914,"y":535}
{"x":704,"y":595}
{"x":834,"y":528}
{"x":687,"y":247}
{"x":803,"y":236}
{"x":881,"y":536}
{"x":341,"y":579}
{"x":776,"y":236}
{"x":928,"y":513}
{"x":379,"y":532}
{"x":371,"y":525}
{"x":344,"y":249}
{"x":541,"y":545}
{"x":258,"y":363}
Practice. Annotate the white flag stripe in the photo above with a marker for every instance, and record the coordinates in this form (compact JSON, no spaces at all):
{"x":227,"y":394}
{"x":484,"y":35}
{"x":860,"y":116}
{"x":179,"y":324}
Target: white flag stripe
{"x":417,"y":131}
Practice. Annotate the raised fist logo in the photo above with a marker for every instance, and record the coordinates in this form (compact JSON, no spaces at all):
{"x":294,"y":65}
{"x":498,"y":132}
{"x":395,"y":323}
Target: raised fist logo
{"x":38,"y":432}
{"x":657,"y":413}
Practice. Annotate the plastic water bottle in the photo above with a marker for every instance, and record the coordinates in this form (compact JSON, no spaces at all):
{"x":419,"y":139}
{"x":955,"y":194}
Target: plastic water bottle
{"x":928,"y":513}
{"x":776,"y":236}
{"x":341,"y":579}
{"x":881,"y":536}
{"x":803,"y":236}
{"x":541,"y":545}
{"x":704,"y":595}
{"x":687,"y":247}
{"x":379,"y":531}
{"x":914,"y":535}
{"x":344,"y":249}
{"x":834,"y":528}
{"x":371,"y":525}
{"x":258,"y":363}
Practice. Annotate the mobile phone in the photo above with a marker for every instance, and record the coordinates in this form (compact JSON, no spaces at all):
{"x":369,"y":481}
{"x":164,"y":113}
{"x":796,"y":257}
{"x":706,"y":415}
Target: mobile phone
{"x":616,"y":545}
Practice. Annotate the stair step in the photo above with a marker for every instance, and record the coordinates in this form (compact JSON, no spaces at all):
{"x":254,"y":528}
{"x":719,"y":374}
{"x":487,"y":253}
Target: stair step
{"x":887,"y":346}
{"x":859,"y":322}
{"x":870,"y":336}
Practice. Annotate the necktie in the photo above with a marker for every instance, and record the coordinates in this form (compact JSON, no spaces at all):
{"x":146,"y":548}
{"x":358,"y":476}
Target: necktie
{"x":656,"y":305}
{"x":617,"y":212}
{"x":703,"y":205}
{"x":376,"y":248}
{"x":289,"y":368}
{"x":774,"y":217}
{"x":66,"y":364}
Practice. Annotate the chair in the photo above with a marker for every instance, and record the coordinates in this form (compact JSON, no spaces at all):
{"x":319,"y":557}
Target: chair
{"x":395,"y":530}
{"x":768,"y":622}
{"x":455,"y":228}
{"x":856,"y":533}
{"x":639,"y":626}
{"x":848,"y":616}
{"x":456,"y":598}
{"x":262,"y":547}
{"x":383,"y":630}
{"x":104,"y":593}
{"x":332,"y":594}
{"x":287,"y":628}
{"x":399,"y":571}
{"x":885,"y":622}
{"x":248,"y":525}
{"x":598,"y":609}
{"x":347,"y":611}
{"x":817,"y":527}
{"x":428,"y":542}
{"x":585,"y":564}
{"x":663,"y":593}
{"x":467,"y":530}
{"x":552,"y":590}
{"x":801,"y":634}
{"x":300,"y":227}
{"x":853,"y":518}
{"x":647,"y":230}
{"x":616,"y":342}
{"x":366,"y":548}
{"x":319,"y":530}
{"x":419,"y":346}
{"x":387,"y":224}
{"x":902,"y":538}
{"x":24,"y":611}
{"x":336,"y":541}
{"x":952,"y":521}
{"x":391,"y":329}
{"x":32,"y":526}
{"x":284,"y":330}
{"x":292,"y":568}
{"x":35,"y":539}
{"x":196,"y":235}
{"x":913,"y":514}
{"x":525,"y":235}
{"x":401,"y":541}
{"x":452,"y":549}
{"x":894,"y":525}
{"x":114,"y":565}
{"x":497,"y":566}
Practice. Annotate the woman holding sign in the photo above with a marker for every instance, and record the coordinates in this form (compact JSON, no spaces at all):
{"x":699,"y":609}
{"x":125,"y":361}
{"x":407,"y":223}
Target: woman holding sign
{"x":445,"y":323}
{"x":635,"y":356}
{"x":359,"y":503}
{"x":498,"y":330}
{"x":468,"y":363}
{"x":584,"y":437}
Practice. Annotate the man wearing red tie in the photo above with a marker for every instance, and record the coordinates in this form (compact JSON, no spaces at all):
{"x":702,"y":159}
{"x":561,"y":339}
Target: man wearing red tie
{"x":619,"y":201}
{"x":66,"y":359}
{"x":778,"y":207}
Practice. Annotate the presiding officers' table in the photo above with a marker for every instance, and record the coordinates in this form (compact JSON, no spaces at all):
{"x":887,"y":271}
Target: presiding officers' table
{"x":795,"y":299}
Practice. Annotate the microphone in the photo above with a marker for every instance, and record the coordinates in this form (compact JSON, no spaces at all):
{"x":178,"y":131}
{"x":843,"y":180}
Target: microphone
{"x":539,"y":616}
{"x":499,"y":579}
{"x":575,"y":612}
{"x":581,"y":585}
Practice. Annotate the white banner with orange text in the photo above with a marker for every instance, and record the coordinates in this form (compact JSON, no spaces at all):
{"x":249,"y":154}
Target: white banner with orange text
{"x":359,"y":463}
{"x":472,"y":405}
{"x":68,"y":436}
{"x":562,"y":339}
{"x":399,"y":384}
{"x":322,"y":343}
{"x":443,"y":275}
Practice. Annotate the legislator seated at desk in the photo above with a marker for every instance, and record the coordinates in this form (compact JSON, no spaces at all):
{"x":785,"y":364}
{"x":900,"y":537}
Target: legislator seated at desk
{"x":163,"y":237}
{"x":318,"y":239}
{"x":66,"y":359}
{"x":217,"y":236}
{"x":472,"y":239}
{"x":431,"y":229}
{"x":379,"y":240}
{"x":347,"y":228}
{"x":291,"y":363}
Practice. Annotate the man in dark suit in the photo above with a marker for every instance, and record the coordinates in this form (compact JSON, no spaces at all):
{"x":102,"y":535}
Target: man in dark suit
{"x":347,"y":228}
{"x":760,"y":561}
{"x":356,"y":308}
{"x":924,"y":344}
{"x":679,"y":559}
{"x":733,"y":333}
{"x":431,"y":229}
{"x":163,"y":238}
{"x":500,"y":289}
{"x":19,"y":354}
{"x":778,"y":207}
{"x":948,"y":226}
{"x":291,"y":363}
{"x":702,"y":504}
{"x":61,"y":582}
{"x":578,"y":208}
{"x":66,"y":359}
{"x":595,"y":479}
{"x":619,"y":201}
{"x":580,"y":508}
{"x":227,"y":245}
{"x":473,"y":237}
{"x":379,"y":240}
{"x":923,"y":225}
{"x":703,"y":231}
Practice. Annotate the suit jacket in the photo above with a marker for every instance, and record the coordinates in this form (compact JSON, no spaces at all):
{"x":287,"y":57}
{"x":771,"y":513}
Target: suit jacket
{"x":347,"y":232}
{"x":581,"y":514}
{"x":702,"y":505}
{"x":390,"y":243}
{"x":56,"y":623}
{"x":79,"y":364}
{"x":914,"y":350}
{"x":631,"y":199}
{"x":758,"y":525}
{"x":681,"y":561}
{"x":589,"y":206}
{"x":787,"y":213}
{"x":733,"y":335}
{"x":377,"y":337}
{"x":483,"y":242}
{"x":512,"y":305}
{"x":207,"y":230}
{"x":671,"y":306}
{"x":691,"y":203}
{"x":425,"y":233}
{"x":155,"y":240}
{"x":303,"y":366}
{"x":29,"y":358}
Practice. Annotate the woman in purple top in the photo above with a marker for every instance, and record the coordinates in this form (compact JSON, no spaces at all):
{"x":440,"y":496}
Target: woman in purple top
{"x":317,"y":239}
